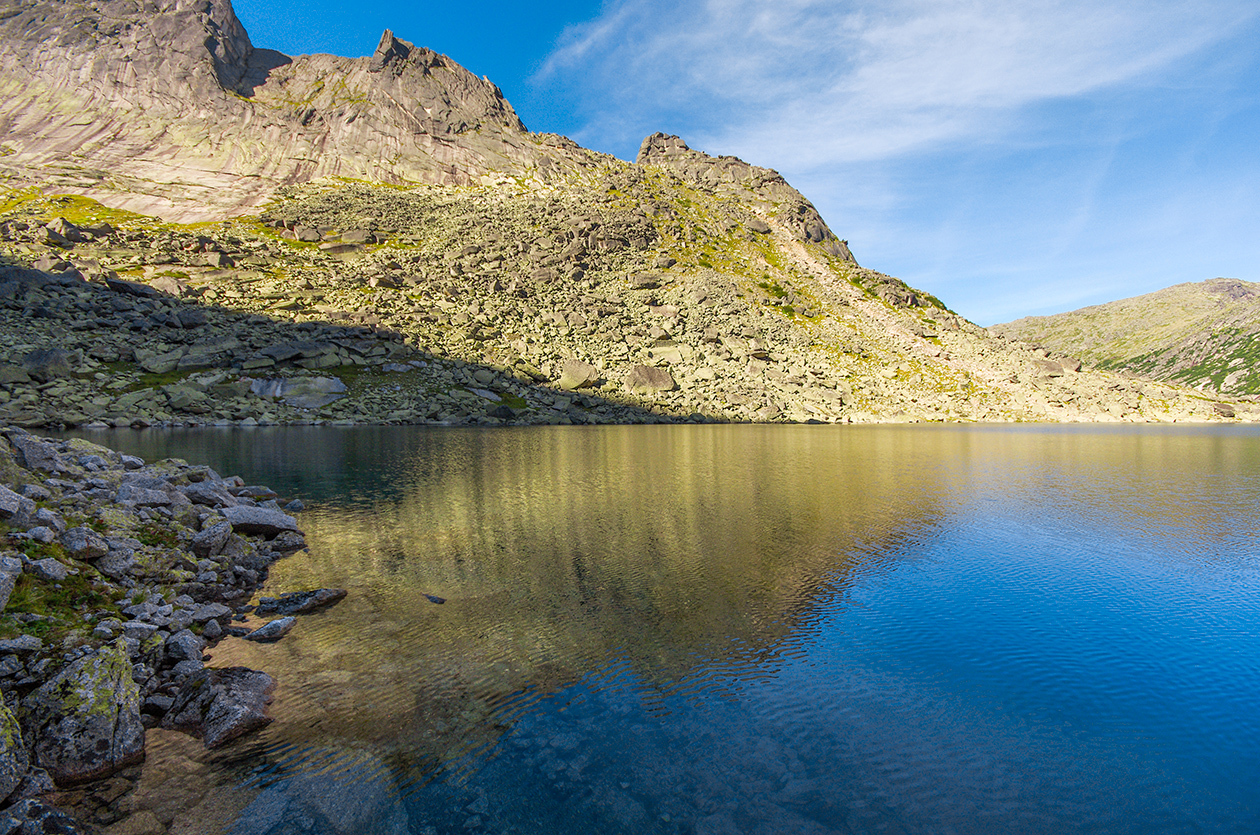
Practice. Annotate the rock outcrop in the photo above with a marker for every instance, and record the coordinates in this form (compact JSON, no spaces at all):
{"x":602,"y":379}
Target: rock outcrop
{"x":97,"y":97}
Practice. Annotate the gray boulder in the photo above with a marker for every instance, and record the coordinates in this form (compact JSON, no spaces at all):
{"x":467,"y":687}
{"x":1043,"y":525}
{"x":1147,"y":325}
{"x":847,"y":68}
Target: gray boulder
{"x":35,"y":454}
{"x":85,"y":721}
{"x":48,"y":569}
{"x":222,"y":704}
{"x":184,"y":646}
{"x":7,"y":583}
{"x":575,"y":374}
{"x":143,"y":496}
{"x":84,"y":543}
{"x":13,"y":758}
{"x":259,"y":520}
{"x":18,"y":511}
{"x":273,"y":631}
{"x":117,"y":563}
{"x":209,"y":542}
{"x":301,"y":392}
{"x":47,"y":364}
{"x":209,"y":493}
{"x":33,"y":816}
{"x":644,"y":379}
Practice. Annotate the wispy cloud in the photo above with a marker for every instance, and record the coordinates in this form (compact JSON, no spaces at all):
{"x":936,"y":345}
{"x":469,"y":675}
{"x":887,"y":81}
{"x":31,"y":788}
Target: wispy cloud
{"x":803,"y":83}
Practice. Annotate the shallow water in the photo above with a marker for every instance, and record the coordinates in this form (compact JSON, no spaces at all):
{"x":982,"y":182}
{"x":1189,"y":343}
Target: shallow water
{"x":748,"y":629}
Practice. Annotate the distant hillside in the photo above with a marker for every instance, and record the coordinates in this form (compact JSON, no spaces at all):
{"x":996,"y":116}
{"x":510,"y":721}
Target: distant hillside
{"x":1205,"y":335}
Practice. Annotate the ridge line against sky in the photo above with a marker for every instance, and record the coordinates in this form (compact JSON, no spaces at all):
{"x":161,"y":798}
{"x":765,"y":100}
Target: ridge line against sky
{"x":1012,"y":158}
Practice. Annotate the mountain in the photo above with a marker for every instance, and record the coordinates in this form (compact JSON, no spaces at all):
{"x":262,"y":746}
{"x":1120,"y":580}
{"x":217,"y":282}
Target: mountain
{"x":1205,"y":335}
{"x":196,"y":230}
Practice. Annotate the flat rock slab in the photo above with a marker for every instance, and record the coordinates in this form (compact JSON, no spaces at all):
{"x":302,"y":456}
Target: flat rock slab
{"x":299,"y":602}
{"x":259,"y":520}
{"x":220,"y":705}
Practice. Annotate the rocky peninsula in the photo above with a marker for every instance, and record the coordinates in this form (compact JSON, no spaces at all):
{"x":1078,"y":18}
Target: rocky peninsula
{"x":117,"y":580}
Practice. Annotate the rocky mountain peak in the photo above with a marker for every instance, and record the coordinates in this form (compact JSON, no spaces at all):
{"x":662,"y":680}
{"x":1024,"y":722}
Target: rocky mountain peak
{"x":185,"y":118}
{"x":733,"y":177}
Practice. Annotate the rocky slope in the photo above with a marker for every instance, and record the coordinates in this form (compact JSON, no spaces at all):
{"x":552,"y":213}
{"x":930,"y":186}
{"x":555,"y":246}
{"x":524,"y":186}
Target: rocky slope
{"x":1205,"y":335}
{"x":476,"y":273}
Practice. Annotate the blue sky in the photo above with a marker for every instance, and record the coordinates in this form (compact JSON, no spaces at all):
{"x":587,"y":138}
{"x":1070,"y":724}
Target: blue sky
{"x":1013,"y":157}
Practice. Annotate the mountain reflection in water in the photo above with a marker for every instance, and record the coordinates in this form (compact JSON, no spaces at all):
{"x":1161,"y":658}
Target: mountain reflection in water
{"x":746,"y":629}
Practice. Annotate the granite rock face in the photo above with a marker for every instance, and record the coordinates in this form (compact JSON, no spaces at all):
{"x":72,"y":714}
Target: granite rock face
{"x":118,"y":76}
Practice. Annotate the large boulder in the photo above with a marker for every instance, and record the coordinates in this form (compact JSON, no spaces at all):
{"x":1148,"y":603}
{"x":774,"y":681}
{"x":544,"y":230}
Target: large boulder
{"x":259,"y":520}
{"x":575,"y":374}
{"x":46,"y":364}
{"x":644,"y":379}
{"x":300,"y":392}
{"x":35,"y":453}
{"x":18,"y":511}
{"x":220,"y":705}
{"x":85,"y":721}
{"x":14,"y":762}
{"x":210,"y":541}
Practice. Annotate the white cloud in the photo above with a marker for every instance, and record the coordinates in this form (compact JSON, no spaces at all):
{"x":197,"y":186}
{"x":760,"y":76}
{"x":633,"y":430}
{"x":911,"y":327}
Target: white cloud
{"x":805,"y":83}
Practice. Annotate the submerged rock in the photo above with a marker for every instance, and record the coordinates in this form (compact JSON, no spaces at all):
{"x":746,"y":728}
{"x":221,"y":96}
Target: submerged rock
{"x":299,"y":602}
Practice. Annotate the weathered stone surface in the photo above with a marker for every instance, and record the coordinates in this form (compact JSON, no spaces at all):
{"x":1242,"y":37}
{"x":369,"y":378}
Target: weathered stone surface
{"x":220,"y":705}
{"x":143,"y":497}
{"x":272,"y":631}
{"x":209,"y":493}
{"x":85,"y":721}
{"x":13,"y":757}
{"x":84,"y":543}
{"x":21,"y":645}
{"x":184,"y":646}
{"x":35,"y":453}
{"x":301,"y":392}
{"x":18,"y":511}
{"x":48,"y":569}
{"x":575,"y":374}
{"x":644,"y":379}
{"x":259,"y":520}
{"x":210,"y":541}
{"x":49,"y":364}
{"x":207,"y":612}
{"x":299,"y":602}
{"x":117,"y":563}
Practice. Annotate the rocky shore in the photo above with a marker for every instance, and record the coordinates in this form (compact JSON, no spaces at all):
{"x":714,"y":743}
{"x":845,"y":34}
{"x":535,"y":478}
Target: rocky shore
{"x":117,"y":579}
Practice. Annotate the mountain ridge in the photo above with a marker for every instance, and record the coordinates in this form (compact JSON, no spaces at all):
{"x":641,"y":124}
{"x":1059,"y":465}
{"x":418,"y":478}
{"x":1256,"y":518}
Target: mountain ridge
{"x":392,"y":212}
{"x":1203,"y":334}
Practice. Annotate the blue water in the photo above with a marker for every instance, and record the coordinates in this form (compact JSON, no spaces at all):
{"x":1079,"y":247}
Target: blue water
{"x":760,"y":630}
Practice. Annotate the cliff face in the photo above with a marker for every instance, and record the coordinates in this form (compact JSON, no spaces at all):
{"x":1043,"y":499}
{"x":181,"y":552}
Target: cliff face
{"x":167,"y":108}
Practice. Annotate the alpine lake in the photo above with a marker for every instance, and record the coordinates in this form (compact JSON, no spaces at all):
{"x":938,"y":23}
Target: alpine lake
{"x":744,"y":629}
